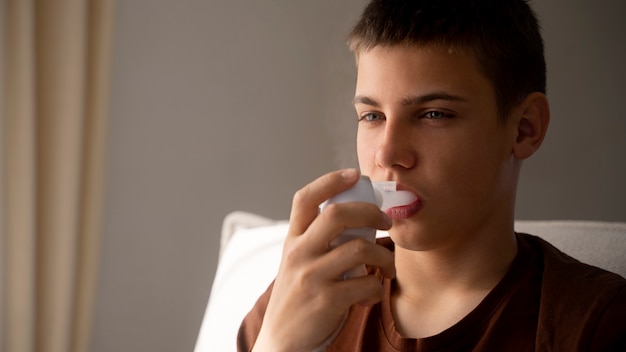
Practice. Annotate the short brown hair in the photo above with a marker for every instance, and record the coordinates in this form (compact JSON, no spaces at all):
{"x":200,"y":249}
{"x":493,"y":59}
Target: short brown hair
{"x":503,"y":34}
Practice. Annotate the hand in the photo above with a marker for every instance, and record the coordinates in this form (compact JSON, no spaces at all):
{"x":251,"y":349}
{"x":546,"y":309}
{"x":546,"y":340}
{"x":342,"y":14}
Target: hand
{"x":309,"y":297}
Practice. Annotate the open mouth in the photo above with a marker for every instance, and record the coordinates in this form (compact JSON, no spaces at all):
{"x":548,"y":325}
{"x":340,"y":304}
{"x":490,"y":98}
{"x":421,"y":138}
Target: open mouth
{"x":396,"y":200}
{"x":402,"y":204}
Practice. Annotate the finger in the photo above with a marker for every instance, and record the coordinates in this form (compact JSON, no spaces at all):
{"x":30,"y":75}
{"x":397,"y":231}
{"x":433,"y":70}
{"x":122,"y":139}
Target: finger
{"x":356,"y":253}
{"x":306,"y":201}
{"x":365,"y":290}
{"x":338,"y":217}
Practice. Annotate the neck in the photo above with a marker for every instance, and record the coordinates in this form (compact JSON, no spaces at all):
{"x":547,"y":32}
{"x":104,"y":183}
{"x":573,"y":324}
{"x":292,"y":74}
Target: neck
{"x":476,"y":263}
{"x":443,"y":285}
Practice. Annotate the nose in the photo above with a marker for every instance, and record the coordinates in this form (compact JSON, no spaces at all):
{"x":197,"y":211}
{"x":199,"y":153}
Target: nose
{"x":395,"y":148}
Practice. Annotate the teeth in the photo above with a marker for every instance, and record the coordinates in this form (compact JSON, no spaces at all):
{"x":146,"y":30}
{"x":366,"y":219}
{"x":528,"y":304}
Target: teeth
{"x":397,"y":198}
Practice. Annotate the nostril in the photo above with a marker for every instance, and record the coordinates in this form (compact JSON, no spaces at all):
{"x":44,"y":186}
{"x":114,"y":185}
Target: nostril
{"x":395,"y":155}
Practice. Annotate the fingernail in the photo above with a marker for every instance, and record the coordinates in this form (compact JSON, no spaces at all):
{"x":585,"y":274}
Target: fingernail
{"x":350,"y":174}
{"x":387,"y":220}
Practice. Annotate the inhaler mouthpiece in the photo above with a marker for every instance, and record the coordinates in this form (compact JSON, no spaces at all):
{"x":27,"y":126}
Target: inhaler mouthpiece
{"x":388,"y":197}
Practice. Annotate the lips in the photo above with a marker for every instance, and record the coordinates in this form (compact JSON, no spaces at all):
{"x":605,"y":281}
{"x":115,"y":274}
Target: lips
{"x":407,"y":210}
{"x":404,"y":211}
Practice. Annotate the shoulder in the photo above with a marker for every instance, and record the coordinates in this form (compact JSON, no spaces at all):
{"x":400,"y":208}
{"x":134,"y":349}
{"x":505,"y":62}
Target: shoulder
{"x":562,"y":268}
{"x":586,"y":303}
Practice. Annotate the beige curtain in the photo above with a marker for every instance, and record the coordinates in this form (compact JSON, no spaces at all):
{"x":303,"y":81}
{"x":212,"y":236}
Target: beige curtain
{"x":55,"y":74}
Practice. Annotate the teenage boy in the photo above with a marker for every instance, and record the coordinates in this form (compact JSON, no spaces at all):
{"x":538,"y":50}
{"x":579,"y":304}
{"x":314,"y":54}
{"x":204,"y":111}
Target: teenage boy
{"x":450,"y":99}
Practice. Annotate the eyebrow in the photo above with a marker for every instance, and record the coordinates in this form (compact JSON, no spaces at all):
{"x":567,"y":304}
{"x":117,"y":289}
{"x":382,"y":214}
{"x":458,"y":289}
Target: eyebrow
{"x":413,"y":100}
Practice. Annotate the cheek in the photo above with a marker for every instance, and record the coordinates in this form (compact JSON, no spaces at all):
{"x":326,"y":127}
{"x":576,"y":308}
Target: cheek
{"x":478,"y":170}
{"x":366,"y":153}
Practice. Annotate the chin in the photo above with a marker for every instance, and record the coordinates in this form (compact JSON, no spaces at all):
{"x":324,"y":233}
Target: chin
{"x":405,"y":234}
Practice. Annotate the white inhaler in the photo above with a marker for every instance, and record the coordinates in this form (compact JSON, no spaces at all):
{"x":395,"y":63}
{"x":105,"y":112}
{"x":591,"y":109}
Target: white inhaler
{"x":382,"y":194}
{"x":363,"y":191}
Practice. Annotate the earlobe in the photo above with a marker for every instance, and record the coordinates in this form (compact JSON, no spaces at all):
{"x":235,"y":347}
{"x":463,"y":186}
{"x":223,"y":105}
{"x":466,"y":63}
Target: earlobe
{"x":532,"y":125}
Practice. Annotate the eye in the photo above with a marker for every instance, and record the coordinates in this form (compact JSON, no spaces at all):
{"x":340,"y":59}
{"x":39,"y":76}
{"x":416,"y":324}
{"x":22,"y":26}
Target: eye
{"x":436,"y":115}
{"x":371,"y":117}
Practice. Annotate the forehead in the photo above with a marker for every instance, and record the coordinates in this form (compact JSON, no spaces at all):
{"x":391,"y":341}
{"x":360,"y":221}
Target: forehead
{"x":417,"y":70}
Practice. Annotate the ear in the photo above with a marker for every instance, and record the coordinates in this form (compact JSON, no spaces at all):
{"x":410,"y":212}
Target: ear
{"x":533,"y":118}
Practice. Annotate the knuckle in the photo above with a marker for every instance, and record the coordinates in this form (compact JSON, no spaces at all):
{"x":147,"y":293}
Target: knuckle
{"x":375,"y":288}
{"x":371,"y":289}
{"x":300,"y":196}
{"x":358,"y":247}
{"x":333,"y":211}
{"x":374,"y":215}
{"x":306,"y":276}
{"x":291,"y":253}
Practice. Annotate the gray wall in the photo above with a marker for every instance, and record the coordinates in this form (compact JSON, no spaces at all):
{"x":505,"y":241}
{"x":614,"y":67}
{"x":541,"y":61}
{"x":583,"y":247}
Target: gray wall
{"x":233,"y":105}
{"x":580,"y":171}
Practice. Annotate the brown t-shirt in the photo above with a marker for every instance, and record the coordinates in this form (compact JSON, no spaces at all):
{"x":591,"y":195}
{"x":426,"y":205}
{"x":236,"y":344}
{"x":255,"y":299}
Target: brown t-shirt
{"x":547,"y":301}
